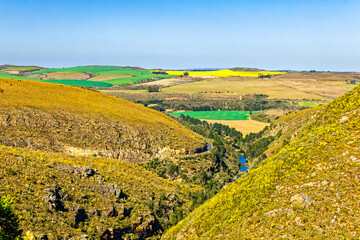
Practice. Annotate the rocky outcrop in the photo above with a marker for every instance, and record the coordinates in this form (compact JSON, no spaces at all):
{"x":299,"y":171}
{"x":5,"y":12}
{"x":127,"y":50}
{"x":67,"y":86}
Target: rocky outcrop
{"x":53,"y":199}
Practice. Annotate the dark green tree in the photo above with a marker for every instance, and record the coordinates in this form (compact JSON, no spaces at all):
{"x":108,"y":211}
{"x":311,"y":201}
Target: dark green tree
{"x":9,"y":222}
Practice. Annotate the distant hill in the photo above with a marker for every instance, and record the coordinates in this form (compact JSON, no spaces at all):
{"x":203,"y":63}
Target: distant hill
{"x":307,"y":189}
{"x":246,"y":69}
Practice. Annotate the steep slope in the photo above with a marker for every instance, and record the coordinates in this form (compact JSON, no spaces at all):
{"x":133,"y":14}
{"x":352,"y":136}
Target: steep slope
{"x":83,"y":122}
{"x":59,"y":158}
{"x":309,"y":189}
{"x":63,"y":196}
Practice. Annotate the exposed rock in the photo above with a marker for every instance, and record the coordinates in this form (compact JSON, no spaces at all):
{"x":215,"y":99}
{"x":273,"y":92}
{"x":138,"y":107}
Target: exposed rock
{"x":53,"y":199}
{"x":298,"y":221}
{"x":302,"y":200}
{"x":147,"y":226}
{"x":111,"y":189}
{"x":82,"y":172}
{"x":273,"y":212}
{"x":124,"y":211}
{"x":344,"y":118}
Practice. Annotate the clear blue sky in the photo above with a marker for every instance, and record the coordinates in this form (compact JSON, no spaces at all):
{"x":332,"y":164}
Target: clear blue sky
{"x":270,"y":34}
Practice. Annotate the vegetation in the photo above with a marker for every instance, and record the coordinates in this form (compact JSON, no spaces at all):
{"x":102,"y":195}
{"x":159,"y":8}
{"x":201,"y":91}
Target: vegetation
{"x":9,"y":222}
{"x":67,"y":196}
{"x":216,"y":115}
{"x":275,"y":90}
{"x":18,"y":68}
{"x":78,"y":121}
{"x":305,"y":190}
{"x":153,"y":88}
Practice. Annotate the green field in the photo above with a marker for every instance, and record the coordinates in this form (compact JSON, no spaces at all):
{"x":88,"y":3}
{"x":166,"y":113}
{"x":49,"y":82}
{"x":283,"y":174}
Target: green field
{"x":310,"y":104}
{"x":78,"y":83}
{"x":138,"y":75}
{"x":216,"y":115}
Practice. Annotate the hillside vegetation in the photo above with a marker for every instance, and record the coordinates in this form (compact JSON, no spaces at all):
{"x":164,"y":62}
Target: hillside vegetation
{"x":83,"y":122}
{"x":61,"y":196}
{"x":307,"y":189}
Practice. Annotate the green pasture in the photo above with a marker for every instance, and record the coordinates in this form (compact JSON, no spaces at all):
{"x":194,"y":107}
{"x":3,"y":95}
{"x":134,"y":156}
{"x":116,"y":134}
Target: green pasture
{"x":137,"y":74}
{"x":78,"y":83}
{"x":309,"y":104}
{"x":350,"y":85}
{"x":216,"y":115}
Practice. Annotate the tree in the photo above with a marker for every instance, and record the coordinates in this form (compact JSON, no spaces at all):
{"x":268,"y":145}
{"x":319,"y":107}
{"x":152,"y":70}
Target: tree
{"x":153,"y":88}
{"x":186,"y":74}
{"x":9,"y":222}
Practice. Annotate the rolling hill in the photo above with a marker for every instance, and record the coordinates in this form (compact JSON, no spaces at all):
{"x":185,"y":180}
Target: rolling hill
{"x":307,"y":189}
{"x":65,"y":154}
{"x":73,"y":120}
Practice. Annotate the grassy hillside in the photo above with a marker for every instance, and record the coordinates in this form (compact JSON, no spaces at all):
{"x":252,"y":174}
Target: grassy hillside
{"x":119,"y":75}
{"x":63,"y":197}
{"x":69,"y":119}
{"x":308,"y":189}
{"x":79,"y":83}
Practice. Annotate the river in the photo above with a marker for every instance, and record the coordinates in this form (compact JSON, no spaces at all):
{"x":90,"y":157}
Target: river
{"x":242,"y":159}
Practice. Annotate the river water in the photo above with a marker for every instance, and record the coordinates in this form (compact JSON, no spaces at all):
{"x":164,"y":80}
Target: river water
{"x":242,"y":159}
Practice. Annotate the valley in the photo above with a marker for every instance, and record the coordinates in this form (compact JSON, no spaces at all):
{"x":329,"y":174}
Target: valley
{"x":195,"y":157}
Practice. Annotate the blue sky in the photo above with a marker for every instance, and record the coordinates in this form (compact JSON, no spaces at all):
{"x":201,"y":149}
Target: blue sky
{"x":270,"y":34}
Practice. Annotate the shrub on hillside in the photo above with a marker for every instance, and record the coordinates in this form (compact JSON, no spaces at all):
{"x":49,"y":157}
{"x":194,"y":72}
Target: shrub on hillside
{"x":153,"y":88}
{"x":9,"y":222}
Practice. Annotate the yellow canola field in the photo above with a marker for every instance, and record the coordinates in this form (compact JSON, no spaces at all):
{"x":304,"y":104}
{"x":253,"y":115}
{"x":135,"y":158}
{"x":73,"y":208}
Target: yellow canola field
{"x":224,"y":73}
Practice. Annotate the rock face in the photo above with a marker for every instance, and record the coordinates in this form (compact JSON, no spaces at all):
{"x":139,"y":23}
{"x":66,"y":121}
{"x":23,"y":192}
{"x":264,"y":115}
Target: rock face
{"x":82,"y":172}
{"x":146,"y":225}
{"x":84,"y":136}
{"x":302,"y":200}
{"x":53,"y":199}
{"x":111,"y":189}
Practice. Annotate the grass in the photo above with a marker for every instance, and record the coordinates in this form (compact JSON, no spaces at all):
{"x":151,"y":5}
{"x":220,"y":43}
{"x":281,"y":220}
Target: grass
{"x":20,"y":68}
{"x":243,"y":126}
{"x":320,"y":163}
{"x":216,"y":115}
{"x":25,"y":174}
{"x":135,"y":79}
{"x":79,"y":83}
{"x":77,"y":106}
{"x":236,"y":86}
{"x":350,"y":85}
{"x":225,"y":73}
{"x":124,"y":75}
{"x":310,"y":104}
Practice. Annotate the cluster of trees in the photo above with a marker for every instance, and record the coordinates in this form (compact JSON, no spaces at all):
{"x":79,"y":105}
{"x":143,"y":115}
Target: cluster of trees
{"x":153,"y":88}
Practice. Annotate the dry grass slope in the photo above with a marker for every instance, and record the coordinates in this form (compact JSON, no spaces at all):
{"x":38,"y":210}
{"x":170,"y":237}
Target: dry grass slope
{"x":42,"y":115}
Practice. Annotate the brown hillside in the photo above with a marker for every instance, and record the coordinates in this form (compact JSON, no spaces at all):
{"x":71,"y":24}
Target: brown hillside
{"x":74,"y":120}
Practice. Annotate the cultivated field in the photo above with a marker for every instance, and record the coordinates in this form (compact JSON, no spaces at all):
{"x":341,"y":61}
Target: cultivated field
{"x":243,"y":126}
{"x":62,"y":75}
{"x":245,"y":86}
{"x":225,"y":73}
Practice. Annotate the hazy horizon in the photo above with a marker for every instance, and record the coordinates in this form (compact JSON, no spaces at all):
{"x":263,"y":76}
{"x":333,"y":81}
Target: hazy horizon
{"x":273,"y":35}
